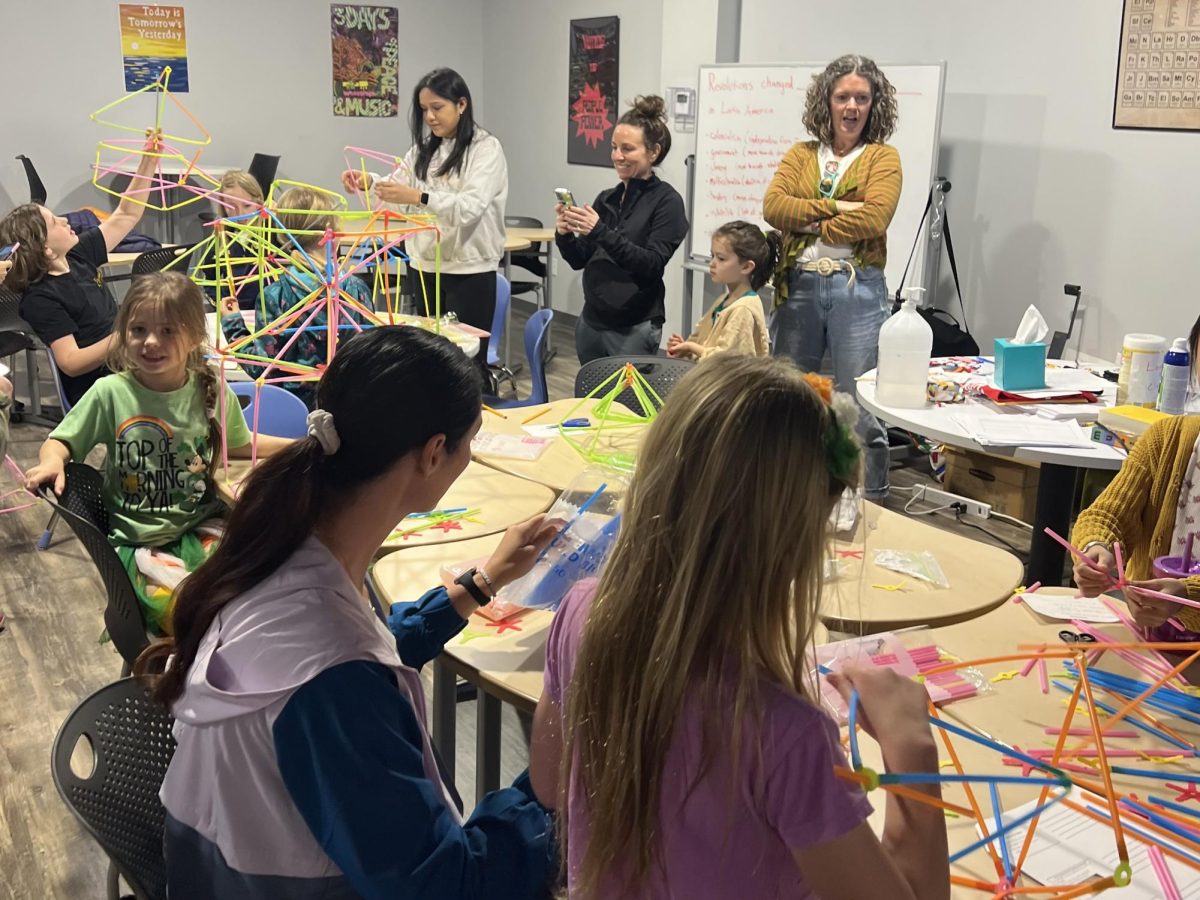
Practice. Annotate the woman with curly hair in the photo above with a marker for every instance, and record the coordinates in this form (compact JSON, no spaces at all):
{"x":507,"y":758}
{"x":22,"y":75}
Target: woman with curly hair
{"x":833,"y":198}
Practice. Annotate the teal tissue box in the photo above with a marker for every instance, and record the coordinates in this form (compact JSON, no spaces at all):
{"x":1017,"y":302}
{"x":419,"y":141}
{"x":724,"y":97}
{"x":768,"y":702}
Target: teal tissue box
{"x":1020,"y":367}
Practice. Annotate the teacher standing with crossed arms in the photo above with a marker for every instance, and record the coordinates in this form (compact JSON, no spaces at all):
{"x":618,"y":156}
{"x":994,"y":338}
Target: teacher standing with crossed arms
{"x":834,"y":198}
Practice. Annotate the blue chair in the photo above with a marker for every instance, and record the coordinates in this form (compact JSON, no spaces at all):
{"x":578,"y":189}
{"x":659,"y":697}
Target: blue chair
{"x":283,"y":414}
{"x":496,"y":369}
{"x":537,"y":329}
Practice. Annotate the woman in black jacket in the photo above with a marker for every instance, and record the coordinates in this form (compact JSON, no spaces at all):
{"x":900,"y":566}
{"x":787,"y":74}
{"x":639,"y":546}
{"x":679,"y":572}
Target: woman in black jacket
{"x":624,"y":241}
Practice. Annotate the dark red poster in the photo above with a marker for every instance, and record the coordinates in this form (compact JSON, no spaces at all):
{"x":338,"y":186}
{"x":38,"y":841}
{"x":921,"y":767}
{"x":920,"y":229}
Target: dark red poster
{"x":593,"y":90}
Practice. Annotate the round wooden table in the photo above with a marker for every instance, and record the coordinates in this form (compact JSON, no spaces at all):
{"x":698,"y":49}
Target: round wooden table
{"x":499,"y":500}
{"x":560,"y":463}
{"x":867,"y":598}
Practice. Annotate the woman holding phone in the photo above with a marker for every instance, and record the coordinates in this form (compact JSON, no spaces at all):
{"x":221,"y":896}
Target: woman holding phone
{"x":624,"y":240}
{"x":457,"y":171}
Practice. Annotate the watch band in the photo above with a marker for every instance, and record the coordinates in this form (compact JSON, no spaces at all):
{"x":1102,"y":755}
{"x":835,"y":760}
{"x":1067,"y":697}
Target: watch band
{"x":467,"y":582}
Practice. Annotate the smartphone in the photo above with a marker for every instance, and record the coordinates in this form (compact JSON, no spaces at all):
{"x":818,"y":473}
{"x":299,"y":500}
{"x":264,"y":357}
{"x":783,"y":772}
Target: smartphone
{"x":565,"y":197}
{"x":6,"y":252}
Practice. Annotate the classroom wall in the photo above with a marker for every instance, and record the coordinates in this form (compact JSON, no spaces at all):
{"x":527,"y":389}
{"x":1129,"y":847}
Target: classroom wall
{"x":260,"y":78}
{"x":1044,"y":190}
{"x":663,"y":42}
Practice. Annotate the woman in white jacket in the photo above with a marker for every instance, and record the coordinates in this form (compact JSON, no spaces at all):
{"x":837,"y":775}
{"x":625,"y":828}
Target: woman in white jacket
{"x":455,"y":170}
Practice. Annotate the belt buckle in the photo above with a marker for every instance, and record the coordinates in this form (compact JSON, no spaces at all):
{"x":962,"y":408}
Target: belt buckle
{"x":826,"y":266}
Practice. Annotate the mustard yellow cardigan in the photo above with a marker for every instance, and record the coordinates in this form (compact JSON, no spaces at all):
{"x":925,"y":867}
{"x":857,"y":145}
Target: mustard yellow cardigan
{"x":1138,"y":508}
{"x":740,"y":327}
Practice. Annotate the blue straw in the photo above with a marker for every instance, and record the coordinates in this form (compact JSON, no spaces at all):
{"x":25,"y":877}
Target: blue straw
{"x":1059,"y":775}
{"x":995,"y":792}
{"x":1150,"y":773}
{"x":1178,"y":807}
{"x":1015,"y":823}
{"x":436,"y":512}
{"x":1161,"y":822}
{"x":938,"y":778}
{"x":1112,"y":710}
{"x":1146,"y":837}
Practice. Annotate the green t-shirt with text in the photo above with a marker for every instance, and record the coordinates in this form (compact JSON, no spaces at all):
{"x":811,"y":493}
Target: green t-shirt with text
{"x":157,"y":483}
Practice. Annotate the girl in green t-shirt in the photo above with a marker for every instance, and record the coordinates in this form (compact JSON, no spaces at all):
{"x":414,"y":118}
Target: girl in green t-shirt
{"x":161,"y":419}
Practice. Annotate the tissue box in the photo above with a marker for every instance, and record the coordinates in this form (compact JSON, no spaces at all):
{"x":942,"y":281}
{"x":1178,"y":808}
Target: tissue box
{"x":1020,"y":367}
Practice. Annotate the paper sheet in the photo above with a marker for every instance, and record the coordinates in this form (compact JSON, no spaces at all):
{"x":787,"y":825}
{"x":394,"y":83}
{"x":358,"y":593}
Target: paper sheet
{"x":1084,"y":609}
{"x":509,"y":446}
{"x":1022,"y":431}
{"x":1069,"y":848}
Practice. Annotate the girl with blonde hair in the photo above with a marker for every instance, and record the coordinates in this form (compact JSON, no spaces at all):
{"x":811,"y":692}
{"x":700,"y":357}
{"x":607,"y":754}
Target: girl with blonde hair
{"x":157,"y":417}
{"x":677,"y":733}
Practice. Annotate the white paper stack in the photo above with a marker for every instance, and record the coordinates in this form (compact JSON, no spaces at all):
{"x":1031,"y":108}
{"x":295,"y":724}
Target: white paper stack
{"x":1022,"y":431}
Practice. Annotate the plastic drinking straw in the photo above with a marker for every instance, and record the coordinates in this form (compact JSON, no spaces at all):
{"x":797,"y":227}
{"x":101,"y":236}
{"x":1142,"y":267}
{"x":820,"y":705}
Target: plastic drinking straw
{"x":1075,"y":551}
{"x":995,"y":792}
{"x":1043,"y":677}
{"x":1163,"y":874}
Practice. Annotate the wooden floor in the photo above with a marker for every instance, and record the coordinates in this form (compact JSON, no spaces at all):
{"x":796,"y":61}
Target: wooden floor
{"x":51,"y":658}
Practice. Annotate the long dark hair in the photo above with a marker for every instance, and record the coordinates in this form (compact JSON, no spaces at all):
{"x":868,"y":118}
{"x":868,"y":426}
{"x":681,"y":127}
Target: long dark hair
{"x":749,"y":244}
{"x":288,"y":493}
{"x":449,"y":85}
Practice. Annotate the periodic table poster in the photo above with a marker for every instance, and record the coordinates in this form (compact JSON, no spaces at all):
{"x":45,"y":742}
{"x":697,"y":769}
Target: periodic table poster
{"x":1158,"y":71}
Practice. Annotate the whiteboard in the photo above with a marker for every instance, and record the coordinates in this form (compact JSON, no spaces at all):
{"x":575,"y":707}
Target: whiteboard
{"x":749,"y":116}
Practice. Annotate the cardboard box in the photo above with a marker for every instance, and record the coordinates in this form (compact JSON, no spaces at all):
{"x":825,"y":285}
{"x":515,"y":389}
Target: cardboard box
{"x":1009,"y":486}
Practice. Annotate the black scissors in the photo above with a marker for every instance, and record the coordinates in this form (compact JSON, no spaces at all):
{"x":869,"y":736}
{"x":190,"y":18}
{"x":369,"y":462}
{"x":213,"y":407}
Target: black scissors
{"x":1075,"y":637}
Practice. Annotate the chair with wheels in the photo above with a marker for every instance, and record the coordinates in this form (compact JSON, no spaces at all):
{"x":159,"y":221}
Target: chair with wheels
{"x":661,"y":372}
{"x":499,"y":324}
{"x":161,"y":258}
{"x":37,"y":190}
{"x":129,"y":736}
{"x":44,"y":541}
{"x":17,"y":336}
{"x":262,"y":169}
{"x":529,"y":260}
{"x":280,"y":413}
{"x":537,"y":330}
{"x":81,"y":506}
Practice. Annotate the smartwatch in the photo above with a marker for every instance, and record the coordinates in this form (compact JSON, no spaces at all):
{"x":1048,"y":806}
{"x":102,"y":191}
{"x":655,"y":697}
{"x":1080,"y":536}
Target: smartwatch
{"x":467,"y":581}
{"x":425,"y":199}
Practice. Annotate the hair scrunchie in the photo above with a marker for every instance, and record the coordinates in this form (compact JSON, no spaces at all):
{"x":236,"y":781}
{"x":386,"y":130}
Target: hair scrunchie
{"x":320,"y":426}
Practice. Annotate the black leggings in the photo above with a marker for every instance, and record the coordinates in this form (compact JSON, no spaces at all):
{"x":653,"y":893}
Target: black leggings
{"x":470,"y":297}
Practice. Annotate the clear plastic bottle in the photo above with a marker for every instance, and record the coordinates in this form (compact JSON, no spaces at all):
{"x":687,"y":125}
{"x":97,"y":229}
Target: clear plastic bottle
{"x":905,"y":346}
{"x":1176,"y":376}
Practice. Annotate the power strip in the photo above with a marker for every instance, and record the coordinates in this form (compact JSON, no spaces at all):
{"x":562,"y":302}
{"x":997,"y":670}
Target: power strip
{"x":968,"y":507}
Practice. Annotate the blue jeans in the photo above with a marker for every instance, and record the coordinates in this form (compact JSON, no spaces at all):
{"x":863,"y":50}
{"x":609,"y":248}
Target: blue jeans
{"x":591,"y":342}
{"x":823,"y":312}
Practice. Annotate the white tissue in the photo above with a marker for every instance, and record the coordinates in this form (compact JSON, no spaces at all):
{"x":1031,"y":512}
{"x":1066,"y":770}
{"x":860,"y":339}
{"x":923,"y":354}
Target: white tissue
{"x":1033,"y":328}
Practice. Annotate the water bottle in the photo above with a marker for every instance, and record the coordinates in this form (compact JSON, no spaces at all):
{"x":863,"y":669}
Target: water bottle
{"x":1176,"y":375}
{"x":905,"y":345}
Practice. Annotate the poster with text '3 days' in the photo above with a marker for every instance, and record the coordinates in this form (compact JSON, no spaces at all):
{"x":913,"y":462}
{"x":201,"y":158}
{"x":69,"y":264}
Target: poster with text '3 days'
{"x":366,"y":54}
{"x":593,"y":81}
{"x":152,"y":38}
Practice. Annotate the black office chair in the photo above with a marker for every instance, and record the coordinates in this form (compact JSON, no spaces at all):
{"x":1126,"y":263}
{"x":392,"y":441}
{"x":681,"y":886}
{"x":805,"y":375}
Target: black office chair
{"x":661,"y":373}
{"x":131,"y":745}
{"x":16,"y":336}
{"x":262,"y":169}
{"x":162,"y":258}
{"x":81,"y":506}
{"x":37,"y":190}
{"x":528,"y":259}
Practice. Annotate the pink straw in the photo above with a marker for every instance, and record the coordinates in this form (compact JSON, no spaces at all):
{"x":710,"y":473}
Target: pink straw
{"x":1075,"y":551}
{"x":1043,"y":678}
{"x":1120,"y":564}
{"x":1165,"y":881}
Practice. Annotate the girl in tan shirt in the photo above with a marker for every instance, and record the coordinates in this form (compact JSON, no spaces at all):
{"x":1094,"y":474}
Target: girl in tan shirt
{"x":742,"y":260}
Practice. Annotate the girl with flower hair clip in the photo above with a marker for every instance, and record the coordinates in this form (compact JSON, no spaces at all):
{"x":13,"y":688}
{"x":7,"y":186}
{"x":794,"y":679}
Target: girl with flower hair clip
{"x":678,"y":734}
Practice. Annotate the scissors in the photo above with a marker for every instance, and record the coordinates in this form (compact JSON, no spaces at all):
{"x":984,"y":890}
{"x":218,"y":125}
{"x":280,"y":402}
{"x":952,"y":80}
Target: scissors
{"x":1075,"y":637}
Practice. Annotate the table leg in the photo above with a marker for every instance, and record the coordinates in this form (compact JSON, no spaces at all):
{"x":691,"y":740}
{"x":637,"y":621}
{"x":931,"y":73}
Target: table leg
{"x":508,"y":314}
{"x":487,"y":745}
{"x":1055,"y":502}
{"x":444,"y":711}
